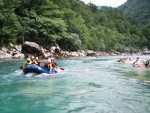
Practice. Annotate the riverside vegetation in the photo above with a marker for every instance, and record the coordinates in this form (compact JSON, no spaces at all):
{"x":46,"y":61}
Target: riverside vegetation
{"x":71,"y":24}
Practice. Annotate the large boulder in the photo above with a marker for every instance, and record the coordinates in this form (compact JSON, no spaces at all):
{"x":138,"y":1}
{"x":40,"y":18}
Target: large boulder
{"x":32,"y":48}
{"x":141,"y":63}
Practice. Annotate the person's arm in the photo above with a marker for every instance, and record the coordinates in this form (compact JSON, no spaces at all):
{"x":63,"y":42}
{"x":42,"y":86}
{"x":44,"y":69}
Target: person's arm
{"x":24,"y":65}
{"x":35,"y":62}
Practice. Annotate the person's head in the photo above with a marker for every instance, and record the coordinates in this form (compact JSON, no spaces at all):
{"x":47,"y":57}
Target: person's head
{"x":32,"y":58}
{"x":36,"y":58}
{"x":28,"y":59}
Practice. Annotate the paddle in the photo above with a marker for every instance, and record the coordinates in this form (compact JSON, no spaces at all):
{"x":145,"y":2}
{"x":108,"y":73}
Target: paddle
{"x":61,"y":68}
{"x":21,"y":67}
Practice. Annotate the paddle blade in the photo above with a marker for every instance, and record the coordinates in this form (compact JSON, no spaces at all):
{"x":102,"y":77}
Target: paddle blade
{"x":21,"y":67}
{"x":61,"y":68}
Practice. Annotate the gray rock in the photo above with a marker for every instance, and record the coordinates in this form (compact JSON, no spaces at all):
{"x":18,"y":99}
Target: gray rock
{"x":19,"y":56}
{"x":90,"y":53}
{"x":32,"y":48}
{"x":10,"y":52}
{"x":18,"y":48}
{"x":74,"y":54}
{"x":11,"y":45}
{"x":5,"y":50}
{"x":15,"y":52}
{"x":4,"y":55}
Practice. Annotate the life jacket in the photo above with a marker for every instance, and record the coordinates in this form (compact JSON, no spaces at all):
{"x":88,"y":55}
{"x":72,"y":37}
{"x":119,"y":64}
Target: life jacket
{"x":50,"y":67}
{"x":54,"y":64}
{"x":28,"y":62}
{"x":46,"y":64}
{"x":34,"y":62}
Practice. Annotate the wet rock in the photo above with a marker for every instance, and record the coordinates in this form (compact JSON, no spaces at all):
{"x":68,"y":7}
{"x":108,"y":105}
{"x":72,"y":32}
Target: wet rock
{"x":125,"y":60}
{"x":141,"y":63}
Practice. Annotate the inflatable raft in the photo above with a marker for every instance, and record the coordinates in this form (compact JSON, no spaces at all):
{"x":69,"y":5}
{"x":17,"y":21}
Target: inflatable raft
{"x":37,"y":69}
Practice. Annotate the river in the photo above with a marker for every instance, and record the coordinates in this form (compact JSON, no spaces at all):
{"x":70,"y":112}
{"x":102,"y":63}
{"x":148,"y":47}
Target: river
{"x":87,"y":85}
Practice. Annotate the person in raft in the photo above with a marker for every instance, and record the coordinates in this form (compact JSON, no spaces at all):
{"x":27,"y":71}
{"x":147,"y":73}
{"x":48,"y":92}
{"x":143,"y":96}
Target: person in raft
{"x":38,"y":61}
{"x":28,"y":62}
{"x":48,"y":64}
{"x":45,"y":64}
{"x":33,"y":60}
{"x":54,"y":65}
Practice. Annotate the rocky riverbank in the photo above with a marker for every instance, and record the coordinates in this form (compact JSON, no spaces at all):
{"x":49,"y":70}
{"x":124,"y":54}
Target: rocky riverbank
{"x":31,"y":48}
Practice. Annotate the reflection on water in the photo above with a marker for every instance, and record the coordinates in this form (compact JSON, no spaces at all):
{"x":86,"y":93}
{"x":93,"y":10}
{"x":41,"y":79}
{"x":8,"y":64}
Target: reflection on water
{"x":88,"y":85}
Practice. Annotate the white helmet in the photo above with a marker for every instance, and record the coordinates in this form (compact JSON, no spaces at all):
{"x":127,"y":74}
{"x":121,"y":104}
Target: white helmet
{"x":32,"y":57}
{"x":36,"y":58}
{"x":28,"y":59}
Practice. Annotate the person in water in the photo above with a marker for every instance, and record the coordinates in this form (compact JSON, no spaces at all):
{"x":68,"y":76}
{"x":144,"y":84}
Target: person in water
{"x":37,"y":61}
{"x":28,"y":62}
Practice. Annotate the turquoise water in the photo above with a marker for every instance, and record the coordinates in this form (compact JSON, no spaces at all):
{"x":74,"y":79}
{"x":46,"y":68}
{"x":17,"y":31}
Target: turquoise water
{"x":88,"y":85}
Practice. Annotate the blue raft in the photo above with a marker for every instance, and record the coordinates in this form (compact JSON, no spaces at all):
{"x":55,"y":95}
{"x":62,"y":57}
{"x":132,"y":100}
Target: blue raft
{"x":37,"y":69}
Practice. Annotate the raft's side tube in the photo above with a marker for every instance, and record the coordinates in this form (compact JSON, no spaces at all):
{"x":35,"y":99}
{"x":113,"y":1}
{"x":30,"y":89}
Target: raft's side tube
{"x":36,"y":69}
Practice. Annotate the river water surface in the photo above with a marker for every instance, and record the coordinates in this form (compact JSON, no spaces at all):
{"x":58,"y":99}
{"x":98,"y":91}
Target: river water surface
{"x":88,"y":85}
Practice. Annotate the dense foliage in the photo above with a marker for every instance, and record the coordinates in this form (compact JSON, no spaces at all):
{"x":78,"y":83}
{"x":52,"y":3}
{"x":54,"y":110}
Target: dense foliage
{"x":70,"y":23}
{"x":138,"y":9}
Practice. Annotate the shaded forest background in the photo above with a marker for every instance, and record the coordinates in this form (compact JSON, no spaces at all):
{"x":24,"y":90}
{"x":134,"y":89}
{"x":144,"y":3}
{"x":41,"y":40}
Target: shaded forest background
{"x":72,"y":24}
